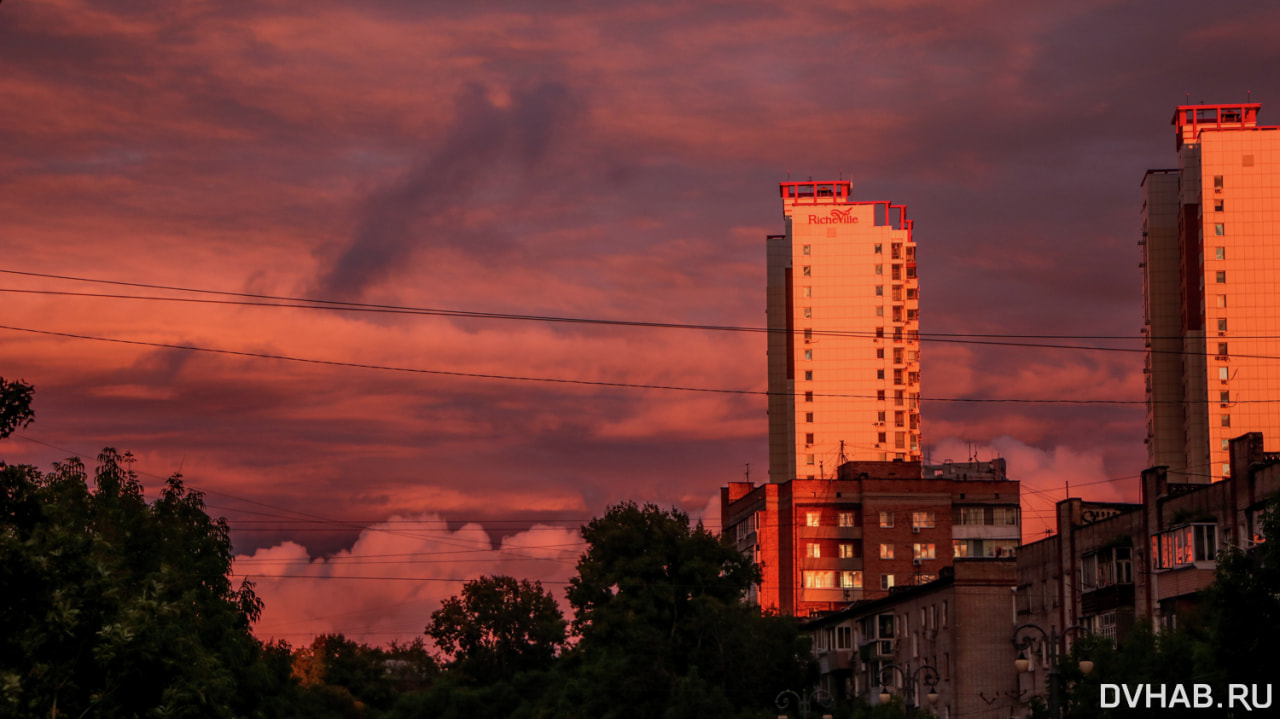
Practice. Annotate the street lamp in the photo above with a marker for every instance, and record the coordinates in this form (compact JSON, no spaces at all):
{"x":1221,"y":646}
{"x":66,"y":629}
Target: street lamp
{"x":1024,"y":639}
{"x":925,"y":672}
{"x":802,"y":701}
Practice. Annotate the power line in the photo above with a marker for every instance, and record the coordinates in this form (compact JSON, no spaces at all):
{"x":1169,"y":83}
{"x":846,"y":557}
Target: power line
{"x":339,"y":305}
{"x":588,"y":383}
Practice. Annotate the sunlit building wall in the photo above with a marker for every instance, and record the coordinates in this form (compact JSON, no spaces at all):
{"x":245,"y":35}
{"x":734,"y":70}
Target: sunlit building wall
{"x":844,"y":350}
{"x":1211,"y":259}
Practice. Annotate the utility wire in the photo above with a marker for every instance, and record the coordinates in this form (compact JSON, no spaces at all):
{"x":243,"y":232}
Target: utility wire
{"x":593,"y":383}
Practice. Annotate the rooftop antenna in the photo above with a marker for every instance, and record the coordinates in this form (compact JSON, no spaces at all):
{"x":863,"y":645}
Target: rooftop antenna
{"x":1248,"y":95}
{"x":822,"y":473}
{"x":748,"y":474}
{"x":1188,"y":98}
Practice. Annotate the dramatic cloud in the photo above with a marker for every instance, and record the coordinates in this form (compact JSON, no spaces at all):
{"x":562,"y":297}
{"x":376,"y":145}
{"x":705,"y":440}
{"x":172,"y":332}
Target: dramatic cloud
{"x":610,"y":160}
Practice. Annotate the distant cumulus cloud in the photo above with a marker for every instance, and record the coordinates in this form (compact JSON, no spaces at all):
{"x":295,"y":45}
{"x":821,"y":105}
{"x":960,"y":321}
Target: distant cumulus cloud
{"x":485,"y":137}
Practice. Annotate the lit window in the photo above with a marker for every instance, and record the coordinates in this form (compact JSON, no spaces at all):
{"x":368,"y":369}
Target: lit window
{"x":844,"y":519}
{"x":815,"y":550}
{"x":923,"y":551}
{"x":886,"y":581}
{"x":812,"y":519}
{"x":846,"y":551}
{"x":886,"y":520}
{"x":922,"y":520}
{"x":960,"y":547}
{"x":886,"y":551}
{"x":1219,"y":253}
{"x":850,"y":580}
{"x":1220,"y":277}
{"x":805,"y":249}
{"x":1219,"y":229}
{"x":820,"y":580}
{"x":806,"y":271}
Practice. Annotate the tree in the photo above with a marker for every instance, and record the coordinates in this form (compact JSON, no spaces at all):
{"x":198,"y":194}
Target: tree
{"x":498,"y":627}
{"x":116,"y":607}
{"x":658,"y":606}
{"x":15,"y":406}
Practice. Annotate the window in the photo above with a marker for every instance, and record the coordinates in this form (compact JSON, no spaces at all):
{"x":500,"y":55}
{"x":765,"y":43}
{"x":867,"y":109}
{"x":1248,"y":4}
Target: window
{"x":879,"y":374}
{"x":898,"y":396}
{"x":879,"y":248}
{"x":808,"y":459}
{"x":897,"y":292}
{"x":1217,"y":205}
{"x":886,"y":581}
{"x":1220,"y":277}
{"x":881,"y":437}
{"x":879,"y":311}
{"x":1217,"y":181}
{"x":895,"y":251}
{"x":897,"y":313}
{"x":911,"y":293}
{"x":879,"y":353}
{"x":808,"y":396}
{"x":1224,"y":396}
{"x":808,"y":416}
{"x":1219,"y":229}
{"x":960,"y":547}
{"x":879,"y":269}
{"x":880,"y":395}
{"x":1226,"y":469}
{"x":899,"y":419}
{"x":805,"y":249}
{"x":922,"y":520}
{"x":880,"y":332}
{"x":900,"y":440}
{"x":879,"y":290}
{"x":897,"y":355}
{"x":1222,"y":348}
{"x":814,"y":550}
{"x":886,"y":551}
{"x":850,"y":580}
{"x":808,"y":312}
{"x":1184,"y":545}
{"x":1222,"y":325}
{"x":808,"y":354}
{"x":972,"y":515}
{"x":846,"y":551}
{"x":808,"y":438}
{"x":819,"y":580}
{"x":1226,"y":420}
{"x":1226,"y":444}
{"x":808,"y":334}
{"x":897,"y":272}
{"x":1219,"y":253}
{"x":886,"y":520}
{"x":845,"y":519}
{"x":897,"y":376}
{"x":811,"y":519}
{"x":1222,"y":300}
{"x":1006,"y":516}
{"x":1223,"y":374}
{"x":923,"y":551}
{"x":808,"y":375}
{"x":806,"y":271}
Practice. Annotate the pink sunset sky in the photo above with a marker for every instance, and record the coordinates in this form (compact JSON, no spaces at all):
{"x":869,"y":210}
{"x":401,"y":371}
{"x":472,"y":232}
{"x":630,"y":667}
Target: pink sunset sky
{"x":607,"y":160}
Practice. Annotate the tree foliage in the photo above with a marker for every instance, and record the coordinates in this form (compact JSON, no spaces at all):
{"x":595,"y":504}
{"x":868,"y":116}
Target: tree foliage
{"x":15,"y":406}
{"x":499,"y":626}
{"x":658,"y":606}
{"x":116,"y":607}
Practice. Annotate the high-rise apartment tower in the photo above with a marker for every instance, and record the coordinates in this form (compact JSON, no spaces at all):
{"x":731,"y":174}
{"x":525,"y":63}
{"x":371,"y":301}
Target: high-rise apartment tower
{"x":844,"y":347}
{"x":1211,"y":290}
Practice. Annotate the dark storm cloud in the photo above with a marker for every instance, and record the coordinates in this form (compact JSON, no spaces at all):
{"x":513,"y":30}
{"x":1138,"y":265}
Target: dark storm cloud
{"x":484,"y":139}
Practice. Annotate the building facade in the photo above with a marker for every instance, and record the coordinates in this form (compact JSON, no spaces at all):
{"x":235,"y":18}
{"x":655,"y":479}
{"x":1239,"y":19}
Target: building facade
{"x":1210,"y":256}
{"x":958,"y":627}
{"x":1111,"y":565}
{"x":843,"y":317}
{"x":822,"y":544}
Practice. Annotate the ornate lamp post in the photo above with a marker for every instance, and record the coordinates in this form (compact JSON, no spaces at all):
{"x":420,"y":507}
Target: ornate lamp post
{"x":787,"y":697}
{"x":1024,"y":638}
{"x":909,"y":678}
